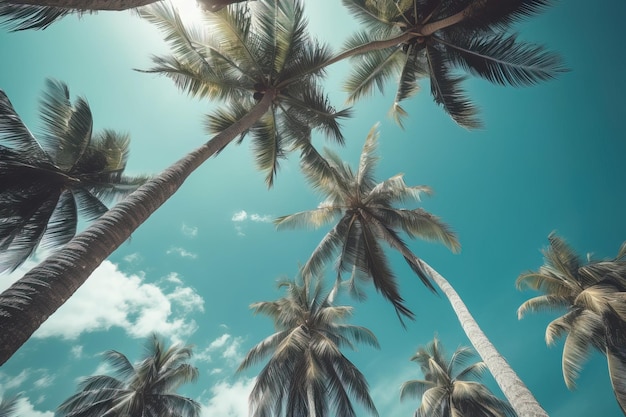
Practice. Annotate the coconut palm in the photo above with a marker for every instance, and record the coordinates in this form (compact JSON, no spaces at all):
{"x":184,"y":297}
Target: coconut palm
{"x":413,"y":39}
{"x":593,"y":296}
{"x":449,"y":387}
{"x":39,"y":14}
{"x":47,"y":182}
{"x":258,"y":61}
{"x":144,"y":389}
{"x":367,"y":215}
{"x":306,"y":374}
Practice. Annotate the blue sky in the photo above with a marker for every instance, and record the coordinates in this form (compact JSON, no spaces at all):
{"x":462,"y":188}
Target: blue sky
{"x":549,"y":158}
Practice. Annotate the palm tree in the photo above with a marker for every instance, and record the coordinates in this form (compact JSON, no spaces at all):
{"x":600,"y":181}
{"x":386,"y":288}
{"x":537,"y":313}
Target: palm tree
{"x":39,"y":14}
{"x":282,"y":105}
{"x":448,"y":388}
{"x":367,"y":215}
{"x":8,"y":406}
{"x":413,"y":39}
{"x":145,"y":389}
{"x":47,"y":182}
{"x":593,"y":295}
{"x":307,"y":375}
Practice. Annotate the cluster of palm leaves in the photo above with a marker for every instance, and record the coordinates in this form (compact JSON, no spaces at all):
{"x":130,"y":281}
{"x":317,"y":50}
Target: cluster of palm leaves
{"x":593,"y":295}
{"x":306,"y":374}
{"x":48,"y":182}
{"x":260,"y":60}
{"x":449,"y":387}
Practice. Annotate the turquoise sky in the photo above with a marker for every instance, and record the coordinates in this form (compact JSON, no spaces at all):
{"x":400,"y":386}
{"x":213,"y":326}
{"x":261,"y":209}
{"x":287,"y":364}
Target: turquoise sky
{"x":550,"y":158}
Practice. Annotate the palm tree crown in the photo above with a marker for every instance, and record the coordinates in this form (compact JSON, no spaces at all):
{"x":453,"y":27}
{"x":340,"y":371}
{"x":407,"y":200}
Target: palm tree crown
{"x":434,"y":38}
{"x":307,"y":375}
{"x":593,"y":295}
{"x":145,"y":389}
{"x":447,"y":389}
{"x":47,"y":183}
{"x":248,"y":52}
{"x":367,"y":215}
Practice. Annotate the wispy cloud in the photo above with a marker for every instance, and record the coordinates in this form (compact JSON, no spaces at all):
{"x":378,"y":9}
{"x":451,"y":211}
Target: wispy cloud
{"x":133,"y":258}
{"x":110,"y":298}
{"x":77,"y":351}
{"x":183,"y":253}
{"x":44,"y":381}
{"x":189,"y":231}
{"x":225,"y":347}
{"x":228,"y":399}
{"x":26,"y":409}
{"x":240,"y":217}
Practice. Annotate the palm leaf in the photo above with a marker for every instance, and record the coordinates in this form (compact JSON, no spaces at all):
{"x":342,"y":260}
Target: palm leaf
{"x":616,"y":357}
{"x":17,"y":17}
{"x":447,"y":92}
{"x":500,"y":59}
{"x":543,"y":303}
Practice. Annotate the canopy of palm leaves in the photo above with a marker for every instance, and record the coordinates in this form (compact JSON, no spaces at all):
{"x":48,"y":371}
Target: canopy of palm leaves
{"x":145,"y":389}
{"x":242,"y":53}
{"x":47,"y":182}
{"x":413,"y":39}
{"x":593,"y":295}
{"x":448,"y":388}
{"x":306,"y":374}
{"x":366,"y":216}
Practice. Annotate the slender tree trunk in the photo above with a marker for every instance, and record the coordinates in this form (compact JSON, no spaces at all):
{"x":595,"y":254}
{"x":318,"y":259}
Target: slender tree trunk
{"x":38,"y":294}
{"x":519,"y":396}
{"x":85,"y":5}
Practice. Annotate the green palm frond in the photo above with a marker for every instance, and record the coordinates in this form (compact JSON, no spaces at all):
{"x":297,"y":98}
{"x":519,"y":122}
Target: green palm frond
{"x":367,"y":162}
{"x":375,"y":19}
{"x":500,"y":15}
{"x":446,"y":91}
{"x":448,"y":389}
{"x":14,"y":135}
{"x":415,"y":68}
{"x":372,"y":70}
{"x":268,"y":145}
{"x":500,"y":59}
{"x":146,"y":388}
{"x":16,"y":17}
{"x":306,"y":368}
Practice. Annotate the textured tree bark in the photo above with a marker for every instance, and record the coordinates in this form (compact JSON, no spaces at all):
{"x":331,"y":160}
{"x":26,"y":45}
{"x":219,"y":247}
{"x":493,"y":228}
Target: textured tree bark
{"x":41,"y":291}
{"x":521,"y":399}
{"x":86,"y":5}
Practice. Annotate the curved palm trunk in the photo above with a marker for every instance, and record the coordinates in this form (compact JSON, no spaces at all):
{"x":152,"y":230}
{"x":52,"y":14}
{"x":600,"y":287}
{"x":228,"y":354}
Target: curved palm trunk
{"x":521,"y":399}
{"x":34,"y":297}
{"x":85,"y":5}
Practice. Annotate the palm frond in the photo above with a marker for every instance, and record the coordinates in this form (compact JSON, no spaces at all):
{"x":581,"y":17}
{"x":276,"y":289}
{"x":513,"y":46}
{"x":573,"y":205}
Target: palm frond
{"x":502,"y":14}
{"x":500,"y":59}
{"x":268,"y":146}
{"x":375,"y":19}
{"x":16,"y":17}
{"x":446,"y":91}
{"x":311,"y":219}
{"x":616,"y":357}
{"x":543,"y":303}
{"x":373,"y":69}
{"x":415,"y":67}
{"x":14,"y":135}
{"x":368,"y":161}
{"x":415,"y":388}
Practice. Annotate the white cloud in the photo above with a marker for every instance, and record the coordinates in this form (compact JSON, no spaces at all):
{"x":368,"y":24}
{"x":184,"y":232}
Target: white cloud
{"x":110,"y":298}
{"x":242,"y":216}
{"x":228,"y":400}
{"x":8,"y":383}
{"x":266,"y":218}
{"x":26,"y":409}
{"x":189,"y":231}
{"x":187,"y":298}
{"x":77,"y":351}
{"x":183,"y":253}
{"x":225,"y":347}
{"x":45,"y":381}
{"x":133,"y":258}
{"x":174,"y":277}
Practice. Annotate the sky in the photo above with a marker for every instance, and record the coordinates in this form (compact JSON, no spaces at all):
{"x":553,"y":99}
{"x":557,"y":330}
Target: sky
{"x":548,"y":159}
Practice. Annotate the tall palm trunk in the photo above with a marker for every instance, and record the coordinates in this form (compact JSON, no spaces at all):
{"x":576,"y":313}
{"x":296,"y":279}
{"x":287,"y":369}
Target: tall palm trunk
{"x":521,"y":399}
{"x":38,"y":294}
{"x":85,"y":5}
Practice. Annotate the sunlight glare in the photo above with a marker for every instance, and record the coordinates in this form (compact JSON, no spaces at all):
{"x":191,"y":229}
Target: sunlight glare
{"x":190,"y":11}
